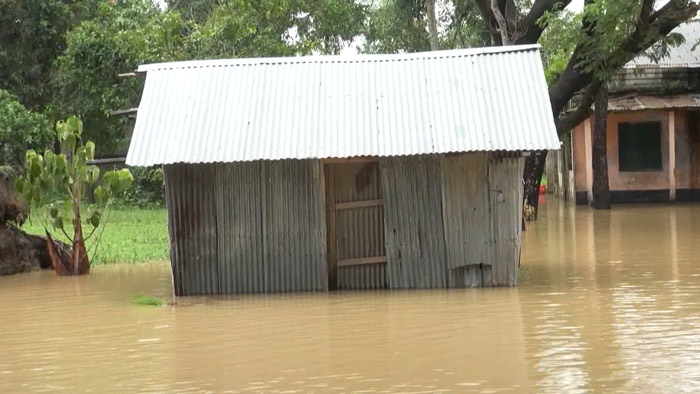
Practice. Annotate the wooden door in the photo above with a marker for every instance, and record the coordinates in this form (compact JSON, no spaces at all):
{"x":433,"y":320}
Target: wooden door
{"x":355,"y":214}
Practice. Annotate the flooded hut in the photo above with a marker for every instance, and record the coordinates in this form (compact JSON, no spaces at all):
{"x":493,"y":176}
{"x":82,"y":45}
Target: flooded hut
{"x":336,"y":172}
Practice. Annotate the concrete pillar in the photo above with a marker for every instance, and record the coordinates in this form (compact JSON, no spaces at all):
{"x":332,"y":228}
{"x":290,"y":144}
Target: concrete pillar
{"x":672,"y":155}
{"x":589,"y":157}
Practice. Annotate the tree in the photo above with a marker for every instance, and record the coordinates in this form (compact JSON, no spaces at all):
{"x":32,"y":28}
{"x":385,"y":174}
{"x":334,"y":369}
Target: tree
{"x":126,"y":33}
{"x":32,"y":33}
{"x":20,"y":130}
{"x":395,"y":26}
{"x":432,"y":25}
{"x":601,"y":187}
{"x":56,"y":183}
{"x":581,"y":51}
{"x":607,"y":35}
{"x":86,"y":81}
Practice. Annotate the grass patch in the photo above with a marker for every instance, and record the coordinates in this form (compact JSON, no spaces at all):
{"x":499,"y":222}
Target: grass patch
{"x":147,"y":300}
{"x":131,"y":235}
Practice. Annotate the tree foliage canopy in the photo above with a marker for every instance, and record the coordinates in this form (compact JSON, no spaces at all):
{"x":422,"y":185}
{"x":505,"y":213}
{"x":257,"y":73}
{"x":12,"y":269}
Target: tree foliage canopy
{"x":20,"y":130}
{"x":32,"y":34}
{"x":79,"y":46}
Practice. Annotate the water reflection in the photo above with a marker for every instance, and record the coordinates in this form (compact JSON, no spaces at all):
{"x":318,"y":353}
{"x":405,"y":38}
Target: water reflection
{"x":609,"y":302}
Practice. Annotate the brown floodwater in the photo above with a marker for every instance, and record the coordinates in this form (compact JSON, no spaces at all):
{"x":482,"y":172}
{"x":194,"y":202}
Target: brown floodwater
{"x":608,"y":302}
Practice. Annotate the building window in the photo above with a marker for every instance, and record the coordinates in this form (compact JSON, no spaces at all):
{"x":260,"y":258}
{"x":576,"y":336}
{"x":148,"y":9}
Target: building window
{"x":639,"y":146}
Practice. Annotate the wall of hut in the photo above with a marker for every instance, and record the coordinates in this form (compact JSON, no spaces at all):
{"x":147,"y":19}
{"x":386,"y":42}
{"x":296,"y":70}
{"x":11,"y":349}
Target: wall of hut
{"x":448,"y":221}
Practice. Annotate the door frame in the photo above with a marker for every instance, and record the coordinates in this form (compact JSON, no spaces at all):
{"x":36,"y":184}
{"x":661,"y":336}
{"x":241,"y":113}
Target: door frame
{"x":332,"y":207}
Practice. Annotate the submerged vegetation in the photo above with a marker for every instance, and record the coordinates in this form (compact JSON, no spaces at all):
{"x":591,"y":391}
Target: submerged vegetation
{"x":147,"y":300}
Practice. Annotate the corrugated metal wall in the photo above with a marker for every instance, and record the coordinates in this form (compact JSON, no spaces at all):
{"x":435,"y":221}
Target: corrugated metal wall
{"x":240,"y":227}
{"x":466,"y":209}
{"x":506,"y":196}
{"x":246,"y":227}
{"x":260,"y":226}
{"x":192,"y":222}
{"x":415,"y":241}
{"x":294,"y":227}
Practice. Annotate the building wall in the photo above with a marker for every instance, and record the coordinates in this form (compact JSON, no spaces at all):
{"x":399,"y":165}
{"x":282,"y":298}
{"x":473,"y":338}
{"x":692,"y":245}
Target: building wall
{"x":246,"y":227}
{"x":635,"y":186}
{"x":414,"y":233}
{"x":578,"y":141}
{"x":559,"y":171}
{"x":250,"y":227}
{"x":453,"y":221}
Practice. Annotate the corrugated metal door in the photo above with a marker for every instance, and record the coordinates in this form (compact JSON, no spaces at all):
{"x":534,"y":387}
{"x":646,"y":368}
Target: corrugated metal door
{"x":356,"y":252}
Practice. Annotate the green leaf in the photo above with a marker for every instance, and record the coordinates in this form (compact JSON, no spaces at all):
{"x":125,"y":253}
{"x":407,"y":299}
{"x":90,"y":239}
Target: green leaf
{"x":75,"y":126}
{"x":19,"y":185}
{"x":101,"y":195}
{"x":90,"y":149}
{"x":95,"y":218}
{"x":93,"y":174}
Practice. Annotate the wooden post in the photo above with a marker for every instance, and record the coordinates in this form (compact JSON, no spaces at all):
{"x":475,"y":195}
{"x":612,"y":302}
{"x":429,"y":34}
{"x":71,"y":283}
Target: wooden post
{"x":331,"y":230}
{"x":672,"y":155}
{"x":588,"y":144}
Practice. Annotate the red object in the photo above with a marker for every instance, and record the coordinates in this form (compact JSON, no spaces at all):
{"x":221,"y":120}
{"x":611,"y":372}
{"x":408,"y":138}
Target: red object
{"x":543,"y":189}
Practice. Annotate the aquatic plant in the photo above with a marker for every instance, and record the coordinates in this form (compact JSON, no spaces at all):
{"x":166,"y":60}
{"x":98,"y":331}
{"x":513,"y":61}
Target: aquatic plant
{"x":147,"y":300}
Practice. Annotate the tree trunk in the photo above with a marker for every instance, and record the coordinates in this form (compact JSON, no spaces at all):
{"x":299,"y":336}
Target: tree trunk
{"x":534,"y":168}
{"x":432,"y":25}
{"x":601,"y":188}
{"x":22,"y":252}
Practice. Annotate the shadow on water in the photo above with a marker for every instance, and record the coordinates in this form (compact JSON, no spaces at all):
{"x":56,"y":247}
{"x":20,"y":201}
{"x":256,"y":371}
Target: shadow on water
{"x":609,"y":303}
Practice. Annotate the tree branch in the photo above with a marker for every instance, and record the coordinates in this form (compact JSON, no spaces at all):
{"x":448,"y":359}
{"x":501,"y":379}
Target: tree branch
{"x":501,"y":23}
{"x":531,"y":28}
{"x":571,"y":119}
{"x":489,"y":20}
{"x":661,"y":23}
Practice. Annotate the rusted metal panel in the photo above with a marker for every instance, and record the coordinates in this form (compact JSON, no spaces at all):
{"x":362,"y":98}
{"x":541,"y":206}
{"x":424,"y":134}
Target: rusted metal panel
{"x":470,"y":276}
{"x":246,"y":227}
{"x":640,"y":102}
{"x":415,"y":242}
{"x":359,"y":231}
{"x":465,"y":202}
{"x":506,"y":196}
{"x":357,"y":182}
{"x":294,"y":231}
{"x":192,"y":223}
{"x":362,"y":277}
{"x":240,"y":228}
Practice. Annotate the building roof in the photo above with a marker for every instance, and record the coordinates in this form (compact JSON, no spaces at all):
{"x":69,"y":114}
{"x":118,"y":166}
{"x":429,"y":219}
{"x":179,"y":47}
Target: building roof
{"x":485,"y":99}
{"x":640,"y":102}
{"x":686,"y":55}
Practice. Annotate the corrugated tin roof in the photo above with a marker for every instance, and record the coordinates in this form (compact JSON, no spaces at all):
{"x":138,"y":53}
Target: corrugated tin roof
{"x":686,"y":55}
{"x":337,"y":106}
{"x":644,"y":102}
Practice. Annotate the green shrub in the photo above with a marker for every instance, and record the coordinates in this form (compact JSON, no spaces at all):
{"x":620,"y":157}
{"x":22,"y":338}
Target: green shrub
{"x":147,"y":189}
{"x":20,"y":130}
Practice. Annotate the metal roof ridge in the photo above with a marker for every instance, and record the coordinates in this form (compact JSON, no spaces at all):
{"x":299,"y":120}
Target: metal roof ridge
{"x":359,"y":58}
